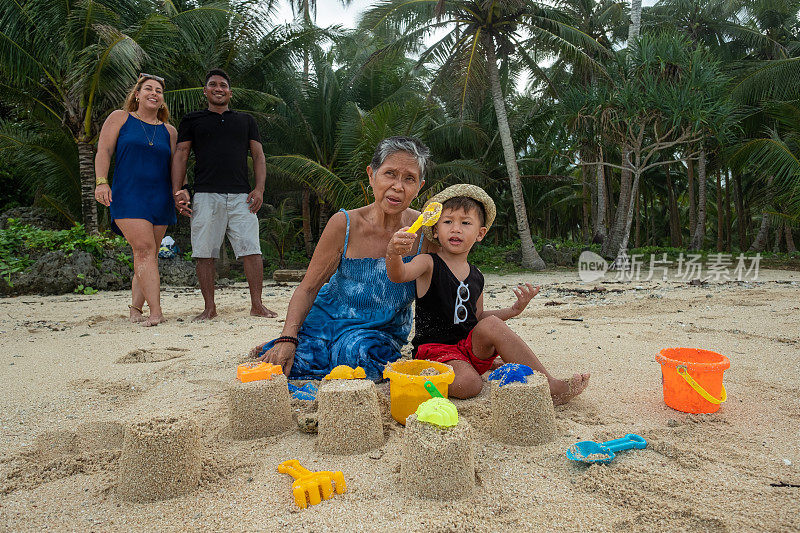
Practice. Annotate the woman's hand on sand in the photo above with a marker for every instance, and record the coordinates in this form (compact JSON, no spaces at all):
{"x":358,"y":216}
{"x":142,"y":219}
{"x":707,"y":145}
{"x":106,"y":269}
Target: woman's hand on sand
{"x":102,"y":193}
{"x":401,"y":242}
{"x":525,"y":293}
{"x":281,"y":354}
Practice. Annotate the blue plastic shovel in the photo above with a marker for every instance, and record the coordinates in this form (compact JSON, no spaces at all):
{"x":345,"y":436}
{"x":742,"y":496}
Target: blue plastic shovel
{"x":589,"y":451}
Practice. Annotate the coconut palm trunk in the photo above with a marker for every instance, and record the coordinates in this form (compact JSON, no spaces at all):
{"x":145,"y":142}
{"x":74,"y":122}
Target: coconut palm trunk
{"x":621,"y":259}
{"x":700,"y":230}
{"x":790,"y":247}
{"x":728,"y":220}
{"x":88,"y":203}
{"x":674,"y":223}
{"x":776,"y":241}
{"x":636,"y":20}
{"x":530,"y":258}
{"x":720,"y":214}
{"x":612,"y":242}
{"x":691,"y":198}
{"x":585,"y":201}
{"x":760,"y":242}
{"x":600,"y":222}
{"x":739,"y":207}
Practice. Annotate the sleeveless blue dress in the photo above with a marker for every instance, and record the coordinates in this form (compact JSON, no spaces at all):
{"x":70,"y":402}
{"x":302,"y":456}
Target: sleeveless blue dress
{"x":141,"y":186}
{"x":359,"y":318}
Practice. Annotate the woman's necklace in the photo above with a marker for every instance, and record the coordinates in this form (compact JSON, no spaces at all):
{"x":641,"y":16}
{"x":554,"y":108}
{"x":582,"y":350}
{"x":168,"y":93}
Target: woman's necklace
{"x":141,"y":123}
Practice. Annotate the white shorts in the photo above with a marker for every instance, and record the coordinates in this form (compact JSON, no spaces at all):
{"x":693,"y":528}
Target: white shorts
{"x":213,"y":216}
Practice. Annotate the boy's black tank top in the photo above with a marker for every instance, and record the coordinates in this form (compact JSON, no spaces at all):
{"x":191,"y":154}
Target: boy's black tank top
{"x":443,"y":315}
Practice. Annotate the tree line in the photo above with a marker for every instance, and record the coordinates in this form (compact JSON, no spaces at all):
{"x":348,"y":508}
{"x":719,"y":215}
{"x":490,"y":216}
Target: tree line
{"x":586,"y":120}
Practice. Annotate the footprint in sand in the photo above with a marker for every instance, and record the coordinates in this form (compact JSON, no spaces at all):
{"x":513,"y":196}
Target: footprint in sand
{"x":90,"y":448}
{"x":153,"y":355}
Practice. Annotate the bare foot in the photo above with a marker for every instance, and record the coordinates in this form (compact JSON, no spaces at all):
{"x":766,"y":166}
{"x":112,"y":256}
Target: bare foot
{"x":136,"y":314}
{"x":563,"y":391}
{"x":152,"y":321}
{"x":260,"y":310}
{"x":207,"y":314}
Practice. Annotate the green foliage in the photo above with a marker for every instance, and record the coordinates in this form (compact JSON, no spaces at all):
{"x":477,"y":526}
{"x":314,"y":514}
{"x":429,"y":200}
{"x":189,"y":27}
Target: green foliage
{"x":18,"y":243}
{"x":84,"y":289}
{"x":278,"y":230}
{"x":324,"y":97}
{"x":496,"y":259}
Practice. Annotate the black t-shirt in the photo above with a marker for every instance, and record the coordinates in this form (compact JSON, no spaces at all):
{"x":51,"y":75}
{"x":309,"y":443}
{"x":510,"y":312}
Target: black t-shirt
{"x":446,"y":314}
{"x":220,"y":143}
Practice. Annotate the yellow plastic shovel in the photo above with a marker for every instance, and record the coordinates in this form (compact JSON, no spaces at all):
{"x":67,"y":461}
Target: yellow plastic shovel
{"x":427,"y":217}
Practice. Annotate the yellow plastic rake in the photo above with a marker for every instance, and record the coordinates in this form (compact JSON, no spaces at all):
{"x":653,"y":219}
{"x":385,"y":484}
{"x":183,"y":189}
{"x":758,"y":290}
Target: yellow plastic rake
{"x":312,"y":487}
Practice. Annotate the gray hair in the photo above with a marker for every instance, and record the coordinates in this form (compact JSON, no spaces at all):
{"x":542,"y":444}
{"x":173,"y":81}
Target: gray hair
{"x":410,"y":145}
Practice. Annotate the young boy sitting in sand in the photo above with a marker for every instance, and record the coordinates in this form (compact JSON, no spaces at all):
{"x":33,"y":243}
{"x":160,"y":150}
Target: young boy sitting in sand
{"x":451,"y":325}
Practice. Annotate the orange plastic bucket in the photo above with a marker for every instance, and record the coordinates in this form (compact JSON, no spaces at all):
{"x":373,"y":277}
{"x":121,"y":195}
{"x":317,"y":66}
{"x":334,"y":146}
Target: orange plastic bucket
{"x":693,"y":379}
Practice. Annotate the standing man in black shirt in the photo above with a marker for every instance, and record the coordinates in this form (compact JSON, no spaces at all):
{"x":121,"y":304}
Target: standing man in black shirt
{"x":223,"y":202}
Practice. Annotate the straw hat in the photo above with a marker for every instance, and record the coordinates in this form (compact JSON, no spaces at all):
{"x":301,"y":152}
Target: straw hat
{"x":463,"y":189}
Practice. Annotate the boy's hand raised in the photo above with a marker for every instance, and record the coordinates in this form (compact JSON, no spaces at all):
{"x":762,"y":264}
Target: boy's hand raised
{"x":525,"y":293}
{"x":401,"y":242}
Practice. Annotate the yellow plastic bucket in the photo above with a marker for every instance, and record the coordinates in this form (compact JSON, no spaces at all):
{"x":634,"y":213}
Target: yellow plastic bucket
{"x":693,"y":379}
{"x":407,"y":387}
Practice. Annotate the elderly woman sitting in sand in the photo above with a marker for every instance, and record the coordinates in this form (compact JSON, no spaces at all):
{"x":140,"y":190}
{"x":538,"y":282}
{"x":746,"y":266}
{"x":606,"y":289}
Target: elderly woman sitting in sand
{"x":346,"y":311}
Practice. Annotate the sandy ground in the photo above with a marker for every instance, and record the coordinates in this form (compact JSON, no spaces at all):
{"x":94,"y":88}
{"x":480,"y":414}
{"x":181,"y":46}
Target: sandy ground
{"x":72,"y":369}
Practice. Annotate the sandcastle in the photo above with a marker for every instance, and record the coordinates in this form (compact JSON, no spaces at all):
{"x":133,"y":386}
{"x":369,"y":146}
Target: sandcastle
{"x":259,"y":408}
{"x":349,"y":417}
{"x":160,"y":459}
{"x":438,"y":463}
{"x":522,"y":413}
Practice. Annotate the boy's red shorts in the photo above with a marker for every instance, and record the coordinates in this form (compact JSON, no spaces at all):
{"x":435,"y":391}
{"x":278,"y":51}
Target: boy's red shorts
{"x":461,"y":351}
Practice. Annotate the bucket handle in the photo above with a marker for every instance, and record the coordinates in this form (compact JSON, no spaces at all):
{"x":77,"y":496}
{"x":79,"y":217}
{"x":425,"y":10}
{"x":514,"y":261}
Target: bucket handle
{"x":684,"y":373}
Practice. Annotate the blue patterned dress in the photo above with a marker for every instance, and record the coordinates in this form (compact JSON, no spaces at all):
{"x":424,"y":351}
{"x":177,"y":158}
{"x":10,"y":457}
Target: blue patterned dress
{"x":359,"y":318}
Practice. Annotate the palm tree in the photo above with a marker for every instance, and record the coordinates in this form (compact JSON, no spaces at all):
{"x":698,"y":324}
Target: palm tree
{"x":664,"y":96}
{"x":774,"y":155}
{"x":477,"y":32}
{"x":330,"y":125}
{"x":636,"y":21}
{"x":72,"y":63}
{"x":604,"y":21}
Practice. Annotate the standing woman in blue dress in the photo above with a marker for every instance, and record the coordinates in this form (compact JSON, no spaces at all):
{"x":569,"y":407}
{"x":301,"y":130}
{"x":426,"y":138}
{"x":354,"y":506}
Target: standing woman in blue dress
{"x":142,"y":141}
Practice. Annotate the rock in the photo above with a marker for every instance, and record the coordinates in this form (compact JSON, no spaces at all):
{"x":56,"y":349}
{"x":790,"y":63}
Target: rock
{"x":513,"y":256}
{"x":57,"y":272}
{"x":288,"y":275}
{"x":551,"y":255}
{"x":177,"y":272}
{"x":32,"y":216}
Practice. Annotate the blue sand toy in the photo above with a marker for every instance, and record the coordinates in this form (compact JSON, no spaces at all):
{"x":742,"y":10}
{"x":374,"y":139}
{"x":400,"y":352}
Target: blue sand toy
{"x":306,"y":392}
{"x":511,"y":372}
{"x":589,"y":451}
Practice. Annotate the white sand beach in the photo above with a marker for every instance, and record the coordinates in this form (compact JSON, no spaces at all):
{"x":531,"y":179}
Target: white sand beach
{"x":73,"y":370}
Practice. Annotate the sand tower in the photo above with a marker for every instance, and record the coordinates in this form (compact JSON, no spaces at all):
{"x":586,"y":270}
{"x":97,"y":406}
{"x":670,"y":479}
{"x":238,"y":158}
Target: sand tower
{"x":349,"y":417}
{"x":438,"y":463}
{"x":522,"y":413}
{"x":160,"y":459}
{"x":259,"y":408}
